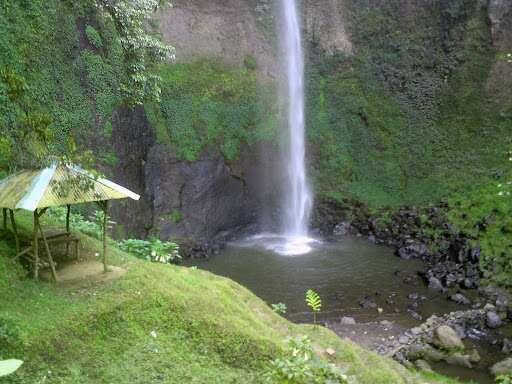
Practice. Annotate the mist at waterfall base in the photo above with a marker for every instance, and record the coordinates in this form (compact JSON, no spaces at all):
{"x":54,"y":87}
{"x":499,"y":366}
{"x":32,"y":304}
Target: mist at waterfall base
{"x":297,"y":199}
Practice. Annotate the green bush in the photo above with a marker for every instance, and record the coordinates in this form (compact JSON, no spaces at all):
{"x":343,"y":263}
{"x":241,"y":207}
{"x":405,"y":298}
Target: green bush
{"x":300,"y":365}
{"x":152,"y":250}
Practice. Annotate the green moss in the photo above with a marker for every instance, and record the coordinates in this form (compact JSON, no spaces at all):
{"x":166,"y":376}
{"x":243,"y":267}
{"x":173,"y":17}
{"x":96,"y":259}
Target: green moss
{"x":206,"y":104}
{"x":407,"y":119}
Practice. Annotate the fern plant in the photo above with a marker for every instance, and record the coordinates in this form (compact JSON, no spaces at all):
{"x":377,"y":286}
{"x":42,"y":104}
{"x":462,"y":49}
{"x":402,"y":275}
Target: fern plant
{"x":314,"y":302}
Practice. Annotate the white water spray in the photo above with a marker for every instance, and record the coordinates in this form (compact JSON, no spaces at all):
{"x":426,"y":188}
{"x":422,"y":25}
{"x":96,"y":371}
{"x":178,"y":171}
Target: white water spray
{"x":298,"y":201}
{"x":298,"y":198}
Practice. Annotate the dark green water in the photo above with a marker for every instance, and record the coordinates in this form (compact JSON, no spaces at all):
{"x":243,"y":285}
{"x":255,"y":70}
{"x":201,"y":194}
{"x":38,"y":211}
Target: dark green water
{"x":343,"y":273}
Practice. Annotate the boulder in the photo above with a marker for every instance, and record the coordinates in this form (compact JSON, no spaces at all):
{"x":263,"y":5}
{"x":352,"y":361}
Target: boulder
{"x":493,"y":320}
{"x":435,"y":284}
{"x":502,"y":367}
{"x":507,"y":346}
{"x":447,"y":338}
{"x":346,"y":320}
{"x":422,"y":365}
{"x":460,"y":360}
{"x":460,"y":299}
{"x":342,"y":229}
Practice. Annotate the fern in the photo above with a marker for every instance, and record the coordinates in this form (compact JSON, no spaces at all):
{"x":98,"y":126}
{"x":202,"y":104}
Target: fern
{"x":314,"y":302}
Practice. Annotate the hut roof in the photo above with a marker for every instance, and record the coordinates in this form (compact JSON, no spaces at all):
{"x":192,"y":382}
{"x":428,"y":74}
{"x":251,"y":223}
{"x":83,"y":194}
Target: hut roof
{"x":58,"y":184}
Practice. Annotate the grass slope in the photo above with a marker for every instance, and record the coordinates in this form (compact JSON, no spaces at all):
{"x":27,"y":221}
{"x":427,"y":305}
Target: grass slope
{"x":208,"y":329}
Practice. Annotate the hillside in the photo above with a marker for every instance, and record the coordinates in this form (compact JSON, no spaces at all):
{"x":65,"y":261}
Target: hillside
{"x":156,"y":324}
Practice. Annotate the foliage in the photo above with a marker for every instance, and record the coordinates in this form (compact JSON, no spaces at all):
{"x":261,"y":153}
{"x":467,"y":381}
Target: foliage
{"x":207,"y":105}
{"x":152,"y":250}
{"x":301,"y":366}
{"x":141,"y":50}
{"x":504,"y":379}
{"x":92,"y":226}
{"x":8,"y":367}
{"x":279,"y":308}
{"x":314,"y":302}
{"x":396,"y":122}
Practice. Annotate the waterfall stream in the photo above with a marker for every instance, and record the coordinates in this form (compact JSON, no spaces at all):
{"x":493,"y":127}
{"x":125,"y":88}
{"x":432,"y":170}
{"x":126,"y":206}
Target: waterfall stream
{"x":298,"y":200}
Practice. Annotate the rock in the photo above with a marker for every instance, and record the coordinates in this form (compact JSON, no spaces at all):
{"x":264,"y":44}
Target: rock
{"x":413,"y":296}
{"x":415,"y":315}
{"x":489,"y":307}
{"x":447,"y":338}
{"x":460,"y":299}
{"x":403,"y":339}
{"x":507,"y":346}
{"x":459,"y":359}
{"x":493,"y":320}
{"x":386,"y":323}
{"x":330,"y":351}
{"x":416,"y":331}
{"x":432,"y":354}
{"x":435,"y":284}
{"x":342,"y":229}
{"x":346,"y":320}
{"x":367,"y":304}
{"x":475,"y":356}
{"x":502,"y":367}
{"x":412,"y":251}
{"x":422,"y":365}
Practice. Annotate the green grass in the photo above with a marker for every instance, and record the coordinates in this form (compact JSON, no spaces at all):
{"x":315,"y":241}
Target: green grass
{"x":208,"y":329}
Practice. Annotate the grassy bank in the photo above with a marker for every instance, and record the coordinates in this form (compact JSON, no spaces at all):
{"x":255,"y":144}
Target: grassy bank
{"x":156,"y":324}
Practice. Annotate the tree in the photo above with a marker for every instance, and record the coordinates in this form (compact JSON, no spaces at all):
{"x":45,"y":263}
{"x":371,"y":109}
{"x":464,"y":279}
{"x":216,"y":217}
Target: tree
{"x":141,"y":49}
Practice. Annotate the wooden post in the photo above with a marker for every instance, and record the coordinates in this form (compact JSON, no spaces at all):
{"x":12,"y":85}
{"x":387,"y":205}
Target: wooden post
{"x":35,"y":246}
{"x":4,"y":211}
{"x":68,"y":214}
{"x":50,"y":258}
{"x":15,"y":231}
{"x":105,"y":219}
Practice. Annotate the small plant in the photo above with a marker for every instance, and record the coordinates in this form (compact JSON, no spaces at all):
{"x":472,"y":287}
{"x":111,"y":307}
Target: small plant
{"x":8,"y":367}
{"x":279,"y":308}
{"x":314,"y":302}
{"x":504,"y":379}
{"x":152,"y":250}
{"x":300,"y":365}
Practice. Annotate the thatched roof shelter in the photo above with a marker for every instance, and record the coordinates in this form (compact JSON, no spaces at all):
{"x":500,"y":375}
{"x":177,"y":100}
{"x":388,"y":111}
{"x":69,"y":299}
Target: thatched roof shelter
{"x":60,"y":184}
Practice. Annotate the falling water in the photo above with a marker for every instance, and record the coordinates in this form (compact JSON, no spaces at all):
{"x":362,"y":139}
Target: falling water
{"x":298,"y":199}
{"x":294,"y":239}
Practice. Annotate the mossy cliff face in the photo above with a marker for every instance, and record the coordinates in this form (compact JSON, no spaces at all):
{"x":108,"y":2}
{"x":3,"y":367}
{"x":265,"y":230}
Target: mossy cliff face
{"x":407,"y":103}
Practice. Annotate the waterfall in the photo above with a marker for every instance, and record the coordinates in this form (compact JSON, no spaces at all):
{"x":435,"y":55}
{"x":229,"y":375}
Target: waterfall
{"x":298,"y":199}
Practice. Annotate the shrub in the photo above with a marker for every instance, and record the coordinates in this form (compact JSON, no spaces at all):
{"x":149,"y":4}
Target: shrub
{"x":301,"y":366}
{"x":279,"y":308}
{"x":152,"y":250}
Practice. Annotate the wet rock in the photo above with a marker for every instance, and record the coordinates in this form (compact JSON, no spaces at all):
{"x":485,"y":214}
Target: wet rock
{"x":347,"y":320}
{"x":460,"y":299}
{"x":460,"y":360}
{"x":367,"y":303}
{"x":342,"y":229}
{"x":413,"y":296}
{"x":507,"y":346}
{"x":432,"y":354}
{"x":415,"y":315}
{"x":412,"y":251}
{"x":447,"y":338}
{"x":435,"y":284}
{"x":493,"y":320}
{"x":422,"y":365}
{"x":502,"y":367}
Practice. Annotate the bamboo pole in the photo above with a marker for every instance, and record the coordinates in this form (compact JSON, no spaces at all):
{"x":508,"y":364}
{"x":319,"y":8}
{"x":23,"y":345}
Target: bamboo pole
{"x":35,"y":246}
{"x":15,"y":231}
{"x":68,"y":214}
{"x":105,"y":218}
{"x":50,"y":258}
